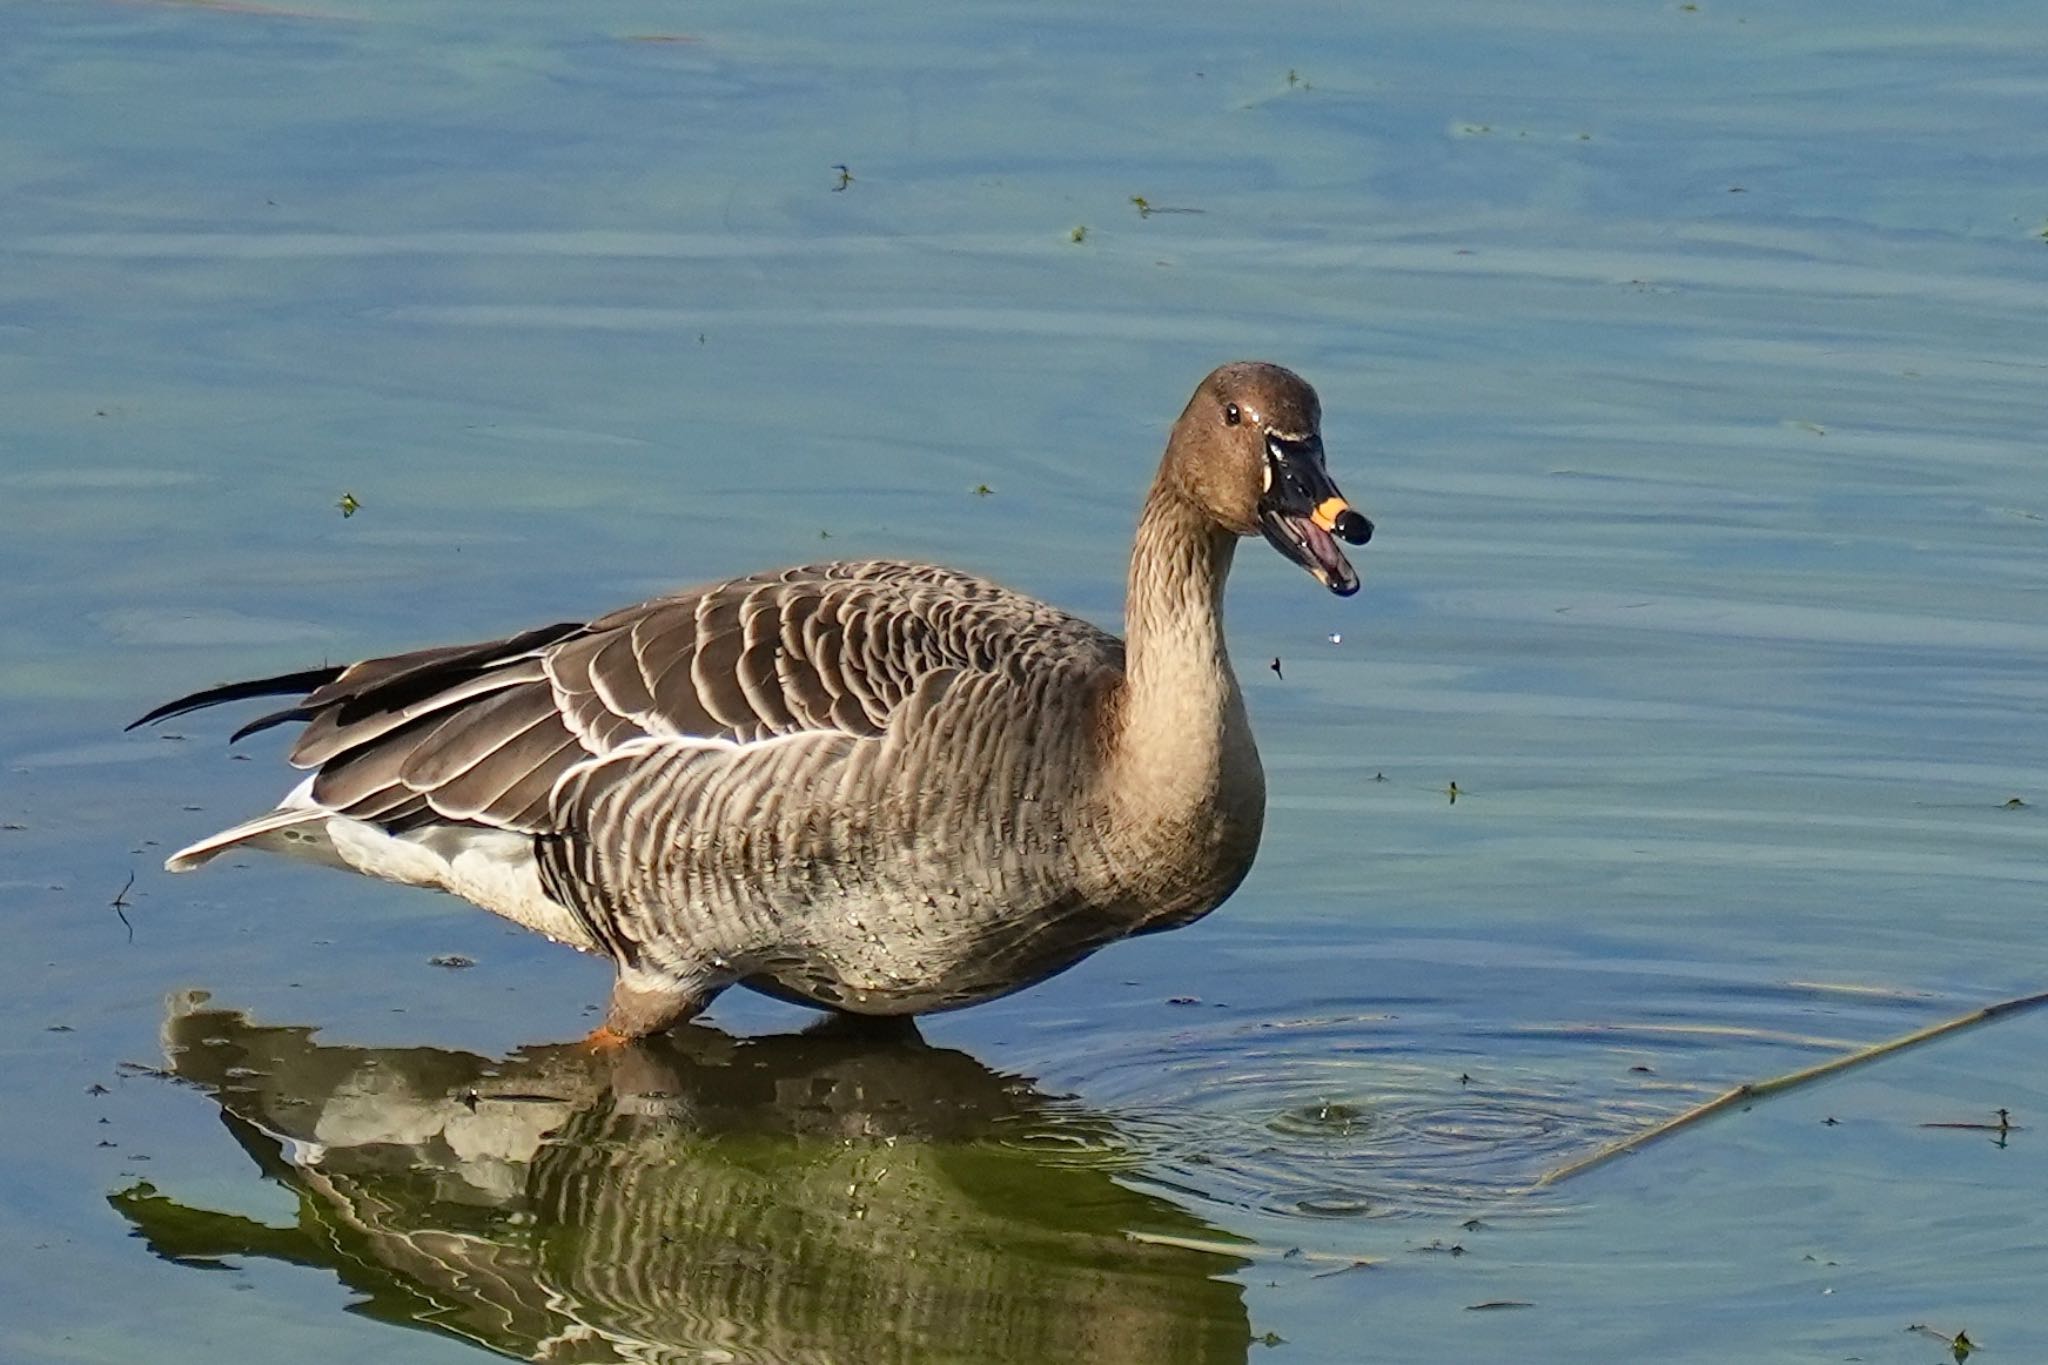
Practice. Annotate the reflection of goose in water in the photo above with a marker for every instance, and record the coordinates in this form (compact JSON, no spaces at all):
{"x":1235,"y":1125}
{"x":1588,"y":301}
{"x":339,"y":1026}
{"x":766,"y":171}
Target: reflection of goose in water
{"x":809,"y":1197}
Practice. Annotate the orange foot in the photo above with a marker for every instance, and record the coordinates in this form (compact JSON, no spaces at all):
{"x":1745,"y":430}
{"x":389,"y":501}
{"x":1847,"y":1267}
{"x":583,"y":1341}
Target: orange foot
{"x":605,"y":1038}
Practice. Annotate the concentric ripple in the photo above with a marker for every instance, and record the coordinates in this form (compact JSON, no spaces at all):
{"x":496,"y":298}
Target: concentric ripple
{"x":1445,"y":1106}
{"x":1335,"y":1118}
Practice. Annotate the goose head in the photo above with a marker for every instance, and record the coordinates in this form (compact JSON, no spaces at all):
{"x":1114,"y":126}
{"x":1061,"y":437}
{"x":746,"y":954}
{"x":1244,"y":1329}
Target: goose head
{"x":1249,"y":452}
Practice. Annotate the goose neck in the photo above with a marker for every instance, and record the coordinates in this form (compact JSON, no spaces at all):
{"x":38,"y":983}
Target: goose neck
{"x":1181,"y":696}
{"x":1174,"y":606}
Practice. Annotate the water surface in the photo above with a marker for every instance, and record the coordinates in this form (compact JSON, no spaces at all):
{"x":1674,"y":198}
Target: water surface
{"x":1688,"y":358}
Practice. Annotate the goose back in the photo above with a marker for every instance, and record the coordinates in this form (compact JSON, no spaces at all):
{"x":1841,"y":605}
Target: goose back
{"x":483,"y":733}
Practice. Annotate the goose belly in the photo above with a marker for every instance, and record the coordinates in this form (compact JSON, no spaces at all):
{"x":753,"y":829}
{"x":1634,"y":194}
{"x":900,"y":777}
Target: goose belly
{"x":931,"y":952}
{"x":883,"y":909}
{"x":950,"y":922}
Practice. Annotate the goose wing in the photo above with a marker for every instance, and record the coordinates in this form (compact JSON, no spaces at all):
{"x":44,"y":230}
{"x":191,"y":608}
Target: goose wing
{"x":481,"y":734}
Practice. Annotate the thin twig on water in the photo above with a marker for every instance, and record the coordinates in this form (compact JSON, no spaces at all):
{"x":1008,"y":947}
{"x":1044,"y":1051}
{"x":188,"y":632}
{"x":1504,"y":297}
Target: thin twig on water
{"x":120,"y":904}
{"x":1757,"y":1090}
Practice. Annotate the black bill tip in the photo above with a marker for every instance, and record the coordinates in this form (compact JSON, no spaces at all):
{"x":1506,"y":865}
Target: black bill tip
{"x":1353,"y":527}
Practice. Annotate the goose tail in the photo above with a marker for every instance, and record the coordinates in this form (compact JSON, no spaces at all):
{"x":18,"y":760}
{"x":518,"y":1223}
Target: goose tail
{"x":297,"y":827}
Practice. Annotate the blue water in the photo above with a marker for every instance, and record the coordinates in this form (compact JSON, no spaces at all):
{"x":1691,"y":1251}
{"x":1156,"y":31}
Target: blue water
{"x":1688,"y":358}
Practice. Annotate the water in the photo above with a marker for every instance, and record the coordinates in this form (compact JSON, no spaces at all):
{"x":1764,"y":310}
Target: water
{"x":1688,"y":360}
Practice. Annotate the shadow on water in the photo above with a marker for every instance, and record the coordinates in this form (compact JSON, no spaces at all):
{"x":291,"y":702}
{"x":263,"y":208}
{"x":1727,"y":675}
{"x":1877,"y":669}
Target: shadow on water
{"x":818,"y":1196}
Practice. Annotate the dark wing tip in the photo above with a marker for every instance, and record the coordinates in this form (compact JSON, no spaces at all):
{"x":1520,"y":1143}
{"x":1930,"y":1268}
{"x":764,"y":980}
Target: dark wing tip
{"x":264,"y":722}
{"x":284,"y":684}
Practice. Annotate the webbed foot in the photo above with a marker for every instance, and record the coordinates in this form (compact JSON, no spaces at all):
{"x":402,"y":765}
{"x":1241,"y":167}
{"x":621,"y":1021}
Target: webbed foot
{"x":645,"y":1003}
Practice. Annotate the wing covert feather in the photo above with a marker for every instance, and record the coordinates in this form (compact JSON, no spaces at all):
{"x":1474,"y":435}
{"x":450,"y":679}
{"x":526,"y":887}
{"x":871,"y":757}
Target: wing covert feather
{"x":485,"y":733}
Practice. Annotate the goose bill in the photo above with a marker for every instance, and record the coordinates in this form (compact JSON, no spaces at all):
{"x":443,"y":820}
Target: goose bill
{"x":1297,"y":536}
{"x":1302,"y":512}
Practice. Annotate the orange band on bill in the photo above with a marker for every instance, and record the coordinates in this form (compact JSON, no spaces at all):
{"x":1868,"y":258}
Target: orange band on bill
{"x":1327,"y":512}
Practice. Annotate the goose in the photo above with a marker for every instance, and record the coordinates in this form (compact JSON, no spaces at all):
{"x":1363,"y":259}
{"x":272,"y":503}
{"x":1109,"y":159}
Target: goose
{"x":876,"y":787}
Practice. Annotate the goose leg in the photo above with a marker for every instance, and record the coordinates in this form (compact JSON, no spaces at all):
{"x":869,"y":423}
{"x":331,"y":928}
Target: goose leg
{"x":644,"y":1003}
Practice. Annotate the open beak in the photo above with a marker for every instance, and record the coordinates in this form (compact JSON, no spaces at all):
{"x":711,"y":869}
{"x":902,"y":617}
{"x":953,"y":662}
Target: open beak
{"x":1303,"y":514}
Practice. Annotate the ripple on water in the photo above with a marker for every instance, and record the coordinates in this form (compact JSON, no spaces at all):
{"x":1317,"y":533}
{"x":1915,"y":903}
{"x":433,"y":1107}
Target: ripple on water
{"x":1336,"y":1118}
{"x":1433,"y":1110}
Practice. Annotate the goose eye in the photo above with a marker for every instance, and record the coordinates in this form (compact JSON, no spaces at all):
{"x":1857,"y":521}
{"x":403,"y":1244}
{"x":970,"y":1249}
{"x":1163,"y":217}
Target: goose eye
{"x":1231,"y":416}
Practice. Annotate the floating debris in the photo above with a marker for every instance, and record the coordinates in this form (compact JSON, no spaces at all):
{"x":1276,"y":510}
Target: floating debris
{"x":1959,"y":1346}
{"x":1146,"y":208}
{"x":349,"y":505}
{"x":2004,"y":1125}
{"x":1079,"y":234}
{"x":1344,"y":1269}
{"x":454,"y":962}
{"x":120,"y":905}
{"x":845,"y":178}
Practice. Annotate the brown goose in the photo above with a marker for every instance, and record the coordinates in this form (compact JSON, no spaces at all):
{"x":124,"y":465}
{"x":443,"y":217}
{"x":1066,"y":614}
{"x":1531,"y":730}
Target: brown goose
{"x":877,"y":787}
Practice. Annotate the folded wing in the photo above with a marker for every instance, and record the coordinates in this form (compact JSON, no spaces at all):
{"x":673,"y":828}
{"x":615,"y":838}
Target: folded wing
{"x":482,"y":735}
